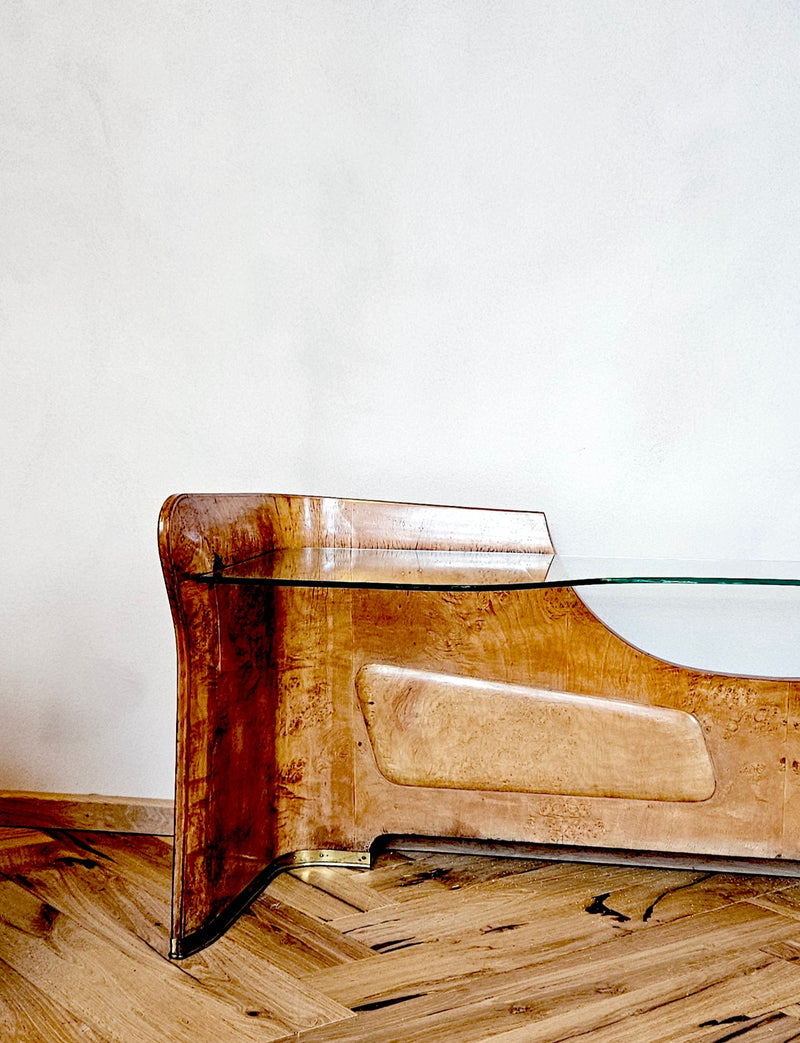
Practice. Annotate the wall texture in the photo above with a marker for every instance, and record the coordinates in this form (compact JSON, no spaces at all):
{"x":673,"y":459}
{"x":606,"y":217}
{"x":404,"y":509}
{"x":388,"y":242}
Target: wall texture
{"x":535,"y":255}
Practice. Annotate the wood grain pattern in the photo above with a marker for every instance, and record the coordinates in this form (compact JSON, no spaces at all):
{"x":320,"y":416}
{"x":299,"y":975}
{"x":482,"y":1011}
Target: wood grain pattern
{"x":440,"y":946}
{"x":29,"y":1015}
{"x":392,"y":568}
{"x":274,"y":754}
{"x":19,"y":809}
{"x":36,"y":939}
{"x":429,"y":729}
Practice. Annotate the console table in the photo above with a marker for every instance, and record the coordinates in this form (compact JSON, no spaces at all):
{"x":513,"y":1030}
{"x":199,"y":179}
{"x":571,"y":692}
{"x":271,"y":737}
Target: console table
{"x":351,"y":669}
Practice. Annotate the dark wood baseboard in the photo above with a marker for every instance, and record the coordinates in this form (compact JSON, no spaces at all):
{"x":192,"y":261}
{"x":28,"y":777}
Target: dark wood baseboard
{"x":89,"y":811}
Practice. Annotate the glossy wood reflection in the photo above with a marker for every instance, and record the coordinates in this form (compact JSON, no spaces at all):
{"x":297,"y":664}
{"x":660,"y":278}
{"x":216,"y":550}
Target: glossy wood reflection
{"x":277,"y":754}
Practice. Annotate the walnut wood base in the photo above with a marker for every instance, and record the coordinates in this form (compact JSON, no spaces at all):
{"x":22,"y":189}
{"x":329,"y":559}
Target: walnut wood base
{"x":321,"y":718}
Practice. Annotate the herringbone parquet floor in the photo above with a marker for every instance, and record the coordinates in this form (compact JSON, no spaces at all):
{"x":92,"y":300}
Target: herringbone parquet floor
{"x":424,"y":948}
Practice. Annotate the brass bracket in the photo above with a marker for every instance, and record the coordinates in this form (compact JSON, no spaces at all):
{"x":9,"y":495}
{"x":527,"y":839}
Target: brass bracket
{"x":322,"y":857}
{"x":294,"y":860}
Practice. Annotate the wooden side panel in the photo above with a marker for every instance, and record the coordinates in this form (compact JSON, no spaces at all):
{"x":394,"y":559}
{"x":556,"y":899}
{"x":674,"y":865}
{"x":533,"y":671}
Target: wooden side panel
{"x":265,"y":753}
{"x":791,"y":766}
{"x":197,"y":532}
{"x":361,"y":523}
{"x":314,"y":748}
{"x":203,"y":530}
{"x":548,"y":639}
{"x":429,"y":729}
{"x":274,"y":754}
{"x":225,"y":765}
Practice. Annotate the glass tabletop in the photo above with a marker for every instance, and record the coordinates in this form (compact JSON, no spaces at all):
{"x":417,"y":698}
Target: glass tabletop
{"x":379,"y":569}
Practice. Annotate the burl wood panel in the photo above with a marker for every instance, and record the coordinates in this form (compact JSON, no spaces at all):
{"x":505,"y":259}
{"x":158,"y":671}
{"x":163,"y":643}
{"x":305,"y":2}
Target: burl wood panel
{"x":264,"y":753}
{"x":549,"y":639}
{"x":274,"y":754}
{"x":429,"y":729}
{"x":224,"y":820}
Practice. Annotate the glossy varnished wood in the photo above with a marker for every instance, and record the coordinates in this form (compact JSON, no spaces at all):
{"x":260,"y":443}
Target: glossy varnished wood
{"x":425,"y":946}
{"x":548,"y":639}
{"x":428,"y":729}
{"x":277,"y":754}
{"x":256,"y":712}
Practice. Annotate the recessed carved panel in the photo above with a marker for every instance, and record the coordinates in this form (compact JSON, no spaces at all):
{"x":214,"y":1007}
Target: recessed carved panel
{"x":440,"y":730}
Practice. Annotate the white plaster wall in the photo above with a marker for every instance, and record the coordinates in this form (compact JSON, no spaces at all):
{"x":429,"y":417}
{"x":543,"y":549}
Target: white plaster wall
{"x":530,"y":254}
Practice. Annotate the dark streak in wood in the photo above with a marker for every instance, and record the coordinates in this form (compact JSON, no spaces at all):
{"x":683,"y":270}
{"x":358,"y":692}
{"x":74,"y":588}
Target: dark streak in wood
{"x":380,"y":1004}
{"x":87,"y":863}
{"x":431,"y":874}
{"x":669,"y":891}
{"x":752,"y":1023}
{"x":597,"y":907}
{"x":504,"y":927}
{"x":724,"y":1021}
{"x":394,"y":943}
{"x":72,"y":839}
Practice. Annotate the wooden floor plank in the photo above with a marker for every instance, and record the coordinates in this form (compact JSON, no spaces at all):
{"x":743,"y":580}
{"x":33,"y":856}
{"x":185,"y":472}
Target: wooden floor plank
{"x":496,"y":931}
{"x":443,"y":913}
{"x":108,"y":900}
{"x":28,"y":1015}
{"x":785,"y":901}
{"x":415,"y":875}
{"x":346,"y":885}
{"x":431,"y":946}
{"x":291,"y":890}
{"x":87,"y":884}
{"x":667,"y":897}
{"x":584,"y":990}
{"x":117,"y":989}
{"x":298,"y":943}
{"x":749,"y":1004}
{"x":648,"y":1028}
{"x":21,"y":848}
{"x":16,"y":839}
{"x":554,"y":915}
